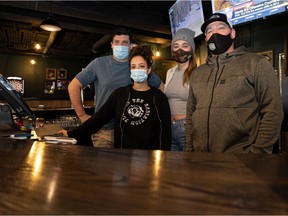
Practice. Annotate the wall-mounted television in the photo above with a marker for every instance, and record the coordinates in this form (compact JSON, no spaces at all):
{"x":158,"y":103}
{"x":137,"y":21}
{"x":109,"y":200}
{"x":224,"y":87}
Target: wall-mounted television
{"x":241,"y":11}
{"x":186,"y":14}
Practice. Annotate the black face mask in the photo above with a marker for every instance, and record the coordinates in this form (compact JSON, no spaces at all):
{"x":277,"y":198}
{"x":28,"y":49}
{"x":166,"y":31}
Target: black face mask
{"x":218,"y":44}
{"x":181,"y":56}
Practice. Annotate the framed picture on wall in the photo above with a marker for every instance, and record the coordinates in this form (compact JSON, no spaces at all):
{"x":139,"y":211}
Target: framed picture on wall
{"x":50,"y":74}
{"x":62,"y":84}
{"x":62,"y":73}
{"x":49,"y":87}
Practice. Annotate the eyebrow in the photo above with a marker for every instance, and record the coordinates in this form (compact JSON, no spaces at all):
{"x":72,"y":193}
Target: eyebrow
{"x":125,"y":41}
{"x":181,"y":44}
{"x":141,"y":64}
{"x":220,"y":24}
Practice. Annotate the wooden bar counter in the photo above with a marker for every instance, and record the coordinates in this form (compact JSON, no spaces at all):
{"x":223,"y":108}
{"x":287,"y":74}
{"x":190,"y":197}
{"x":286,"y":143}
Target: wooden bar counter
{"x":39,"y":178}
{"x":53,"y":113}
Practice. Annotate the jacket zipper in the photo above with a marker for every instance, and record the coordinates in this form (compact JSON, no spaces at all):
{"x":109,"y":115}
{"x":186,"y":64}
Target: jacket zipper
{"x":209,"y":108}
{"x":160,"y":135}
{"x":129,"y":94}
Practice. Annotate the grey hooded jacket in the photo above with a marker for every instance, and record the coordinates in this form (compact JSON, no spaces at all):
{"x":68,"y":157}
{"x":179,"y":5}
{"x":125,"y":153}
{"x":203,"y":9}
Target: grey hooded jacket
{"x":234,"y":105}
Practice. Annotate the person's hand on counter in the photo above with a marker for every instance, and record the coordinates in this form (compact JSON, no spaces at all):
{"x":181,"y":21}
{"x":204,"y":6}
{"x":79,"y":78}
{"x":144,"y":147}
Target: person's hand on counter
{"x":63,"y":132}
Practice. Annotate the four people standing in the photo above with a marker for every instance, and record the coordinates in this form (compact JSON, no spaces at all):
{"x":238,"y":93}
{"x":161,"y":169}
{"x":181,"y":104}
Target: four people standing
{"x":234,"y":102}
{"x":177,"y":83}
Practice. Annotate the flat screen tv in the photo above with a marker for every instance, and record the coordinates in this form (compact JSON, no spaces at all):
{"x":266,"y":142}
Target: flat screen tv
{"x":242,"y":11}
{"x":14,"y":99}
{"x":186,"y":14}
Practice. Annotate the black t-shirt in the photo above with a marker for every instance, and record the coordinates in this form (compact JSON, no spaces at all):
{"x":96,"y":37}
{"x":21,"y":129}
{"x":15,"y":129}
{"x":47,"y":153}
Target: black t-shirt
{"x":139,"y":121}
{"x":142,"y":119}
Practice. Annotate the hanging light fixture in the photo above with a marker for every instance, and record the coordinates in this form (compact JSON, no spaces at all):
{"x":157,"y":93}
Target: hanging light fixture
{"x":50,"y":24}
{"x":158,"y":53}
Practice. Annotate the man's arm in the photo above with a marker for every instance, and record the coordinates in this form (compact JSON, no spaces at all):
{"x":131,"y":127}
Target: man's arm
{"x":84,"y":131}
{"x":161,"y":87}
{"x":271,"y":110}
{"x":188,"y":126}
{"x":74,"y":90}
{"x":155,"y":81}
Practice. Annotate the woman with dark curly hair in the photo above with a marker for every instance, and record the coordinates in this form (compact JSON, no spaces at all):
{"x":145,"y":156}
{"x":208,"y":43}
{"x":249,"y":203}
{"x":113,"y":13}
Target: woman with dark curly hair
{"x":141,"y":113}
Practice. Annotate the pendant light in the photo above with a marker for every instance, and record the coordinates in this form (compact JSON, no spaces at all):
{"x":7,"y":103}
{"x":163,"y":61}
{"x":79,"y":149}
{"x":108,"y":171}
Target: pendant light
{"x":50,"y":24}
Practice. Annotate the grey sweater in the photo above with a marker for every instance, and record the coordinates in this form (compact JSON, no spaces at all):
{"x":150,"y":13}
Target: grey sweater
{"x":234,"y":105}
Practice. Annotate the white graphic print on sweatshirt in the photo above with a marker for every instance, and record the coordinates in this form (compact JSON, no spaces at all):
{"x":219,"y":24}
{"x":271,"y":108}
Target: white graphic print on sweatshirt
{"x":137,"y":112}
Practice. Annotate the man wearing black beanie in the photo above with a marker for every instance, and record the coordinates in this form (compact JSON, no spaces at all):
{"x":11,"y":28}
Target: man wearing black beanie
{"x":234,"y":103}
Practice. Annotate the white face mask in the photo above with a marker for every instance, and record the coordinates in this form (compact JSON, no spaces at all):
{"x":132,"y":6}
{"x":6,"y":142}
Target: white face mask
{"x":121,"y":52}
{"x":139,"y":75}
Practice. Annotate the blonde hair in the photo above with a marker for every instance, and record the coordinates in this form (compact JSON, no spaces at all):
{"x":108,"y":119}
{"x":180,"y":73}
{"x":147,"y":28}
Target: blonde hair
{"x":192,"y":65}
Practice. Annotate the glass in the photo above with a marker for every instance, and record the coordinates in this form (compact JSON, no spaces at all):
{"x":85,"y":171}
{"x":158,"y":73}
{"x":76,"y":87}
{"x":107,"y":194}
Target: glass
{"x":40,"y":122}
{"x":69,"y":122}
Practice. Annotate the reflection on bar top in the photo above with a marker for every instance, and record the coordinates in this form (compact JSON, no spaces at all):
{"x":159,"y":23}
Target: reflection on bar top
{"x":60,"y":108}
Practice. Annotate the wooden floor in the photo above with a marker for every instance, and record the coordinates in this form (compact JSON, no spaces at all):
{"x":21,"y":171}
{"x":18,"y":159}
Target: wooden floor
{"x":39,"y":178}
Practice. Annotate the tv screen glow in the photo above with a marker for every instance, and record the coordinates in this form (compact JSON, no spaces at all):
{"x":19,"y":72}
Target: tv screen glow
{"x":186,"y":14}
{"x":241,"y":11}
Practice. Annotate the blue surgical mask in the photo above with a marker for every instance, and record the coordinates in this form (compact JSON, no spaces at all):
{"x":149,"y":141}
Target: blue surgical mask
{"x":121,"y":52}
{"x":139,"y":75}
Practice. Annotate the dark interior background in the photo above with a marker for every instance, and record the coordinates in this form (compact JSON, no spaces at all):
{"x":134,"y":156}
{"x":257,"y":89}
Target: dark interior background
{"x":86,"y":34}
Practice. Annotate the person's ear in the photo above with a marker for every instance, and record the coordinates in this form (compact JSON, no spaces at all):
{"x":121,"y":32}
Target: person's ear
{"x":233,"y":33}
{"x":130,"y":47}
{"x":111,"y":45}
{"x":149,"y":71}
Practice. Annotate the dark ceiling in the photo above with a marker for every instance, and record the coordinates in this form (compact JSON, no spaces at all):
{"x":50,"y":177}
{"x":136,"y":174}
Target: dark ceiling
{"x":86,"y":26}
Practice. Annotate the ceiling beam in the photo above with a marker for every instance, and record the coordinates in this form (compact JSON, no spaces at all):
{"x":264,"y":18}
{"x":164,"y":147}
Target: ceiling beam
{"x":84,"y":21}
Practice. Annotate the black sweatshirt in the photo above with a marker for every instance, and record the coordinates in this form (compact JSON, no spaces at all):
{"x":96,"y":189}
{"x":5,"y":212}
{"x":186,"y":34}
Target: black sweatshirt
{"x":142,"y":119}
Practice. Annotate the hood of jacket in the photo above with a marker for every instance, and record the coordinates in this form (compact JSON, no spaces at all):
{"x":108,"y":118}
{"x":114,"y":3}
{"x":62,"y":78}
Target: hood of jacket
{"x":225,"y":57}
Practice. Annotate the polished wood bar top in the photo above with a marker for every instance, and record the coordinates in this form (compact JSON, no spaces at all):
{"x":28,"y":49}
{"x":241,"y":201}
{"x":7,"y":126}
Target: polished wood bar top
{"x":39,"y":178}
{"x":47,"y":109}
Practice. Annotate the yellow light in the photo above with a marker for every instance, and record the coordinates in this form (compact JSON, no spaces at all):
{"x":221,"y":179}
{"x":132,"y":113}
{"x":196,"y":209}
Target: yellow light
{"x":33,"y":62}
{"x":156,"y":170}
{"x":157,"y":53}
{"x":37,"y":46}
{"x":35,"y":160}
